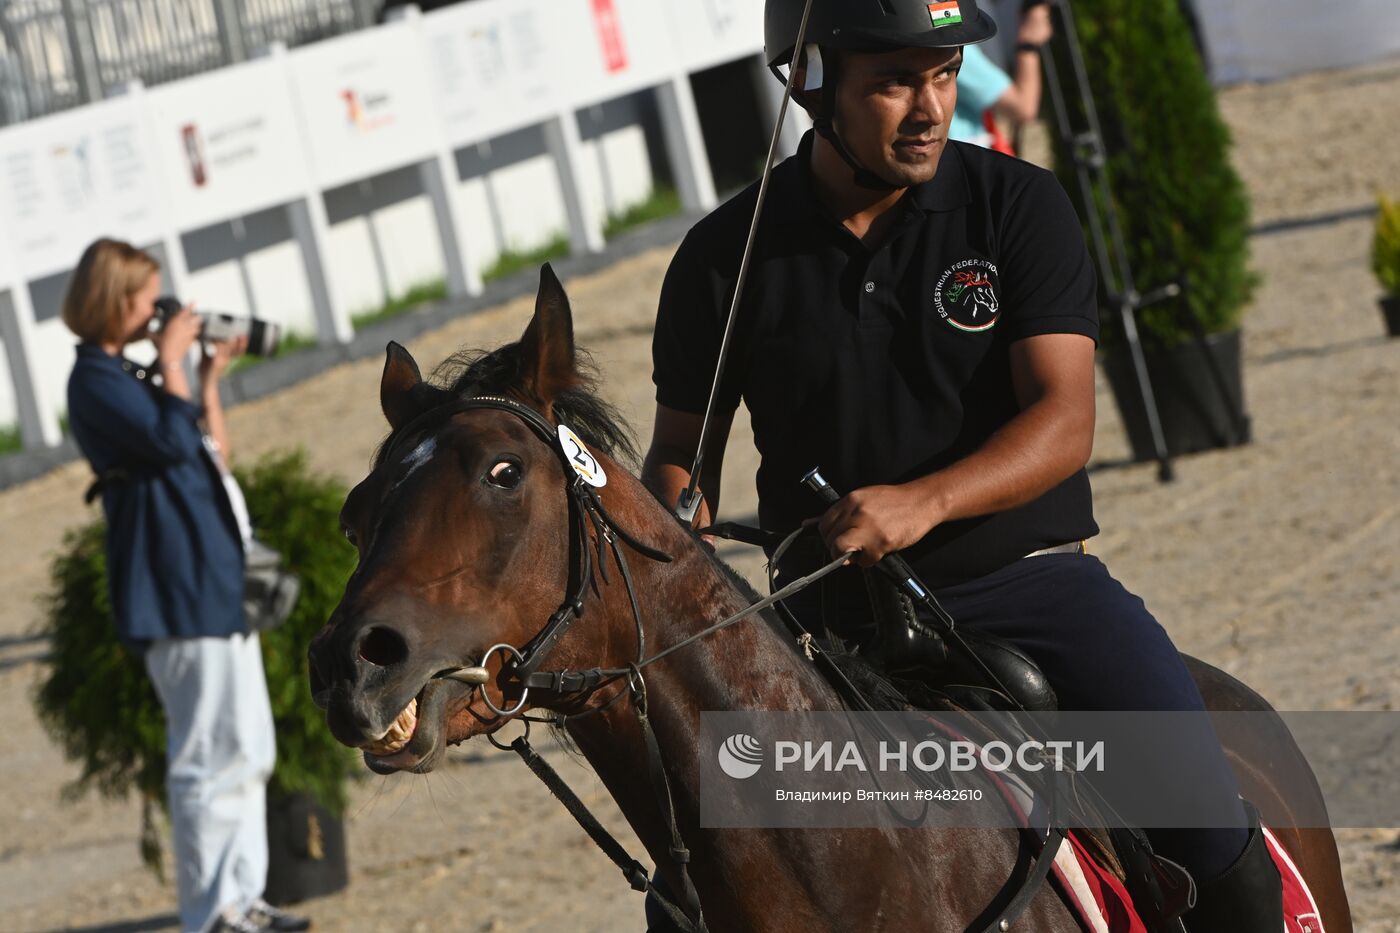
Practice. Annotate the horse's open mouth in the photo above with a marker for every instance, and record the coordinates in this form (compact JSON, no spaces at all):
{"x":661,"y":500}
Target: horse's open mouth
{"x":416,"y":739}
{"x":400,"y":731}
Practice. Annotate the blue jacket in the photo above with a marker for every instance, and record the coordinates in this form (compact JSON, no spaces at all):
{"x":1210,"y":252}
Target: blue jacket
{"x":174,"y":554}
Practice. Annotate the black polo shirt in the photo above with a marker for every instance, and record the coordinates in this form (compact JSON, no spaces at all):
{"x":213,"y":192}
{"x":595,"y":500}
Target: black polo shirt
{"x":883,"y":365}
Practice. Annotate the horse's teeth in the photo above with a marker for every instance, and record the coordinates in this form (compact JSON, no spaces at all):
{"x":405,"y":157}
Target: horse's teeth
{"x":398,"y":733}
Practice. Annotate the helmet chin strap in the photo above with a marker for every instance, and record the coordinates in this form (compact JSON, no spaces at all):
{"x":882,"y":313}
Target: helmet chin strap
{"x":821,"y":75}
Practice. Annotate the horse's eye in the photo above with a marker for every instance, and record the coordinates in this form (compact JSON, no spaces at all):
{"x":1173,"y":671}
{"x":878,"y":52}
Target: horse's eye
{"x":505,"y":474}
{"x":350,"y":536}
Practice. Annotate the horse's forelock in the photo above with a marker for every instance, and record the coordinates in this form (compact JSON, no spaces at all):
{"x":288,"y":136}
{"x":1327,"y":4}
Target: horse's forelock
{"x":470,"y":373}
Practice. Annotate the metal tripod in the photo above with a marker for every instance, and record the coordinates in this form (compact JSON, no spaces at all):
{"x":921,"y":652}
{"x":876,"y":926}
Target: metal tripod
{"x":1086,"y":148}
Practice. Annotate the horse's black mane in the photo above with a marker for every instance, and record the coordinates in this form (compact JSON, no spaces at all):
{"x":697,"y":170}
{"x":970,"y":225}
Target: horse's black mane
{"x":469,"y":373}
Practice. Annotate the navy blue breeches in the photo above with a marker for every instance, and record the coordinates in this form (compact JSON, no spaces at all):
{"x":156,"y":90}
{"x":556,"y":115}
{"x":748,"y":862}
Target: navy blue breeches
{"x":1101,"y":650}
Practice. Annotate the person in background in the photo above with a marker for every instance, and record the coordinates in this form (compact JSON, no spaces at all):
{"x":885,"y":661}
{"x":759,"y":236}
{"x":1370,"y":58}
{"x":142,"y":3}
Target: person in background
{"x":987,"y":95}
{"x":175,"y":550}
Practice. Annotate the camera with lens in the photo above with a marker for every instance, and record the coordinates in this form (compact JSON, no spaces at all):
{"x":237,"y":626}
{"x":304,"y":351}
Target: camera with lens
{"x":263,"y":336}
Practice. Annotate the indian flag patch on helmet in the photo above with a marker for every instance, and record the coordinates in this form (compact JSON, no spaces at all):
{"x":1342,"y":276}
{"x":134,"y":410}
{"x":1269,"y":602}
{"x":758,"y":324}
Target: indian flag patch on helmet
{"x":944,"y":14}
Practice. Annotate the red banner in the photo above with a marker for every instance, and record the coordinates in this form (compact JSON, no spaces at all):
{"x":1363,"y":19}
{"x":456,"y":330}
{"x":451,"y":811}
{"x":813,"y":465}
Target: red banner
{"x":610,"y":36}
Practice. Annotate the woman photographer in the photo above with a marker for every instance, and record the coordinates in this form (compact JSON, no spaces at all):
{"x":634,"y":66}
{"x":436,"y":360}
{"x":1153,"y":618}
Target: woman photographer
{"x":176,"y":528}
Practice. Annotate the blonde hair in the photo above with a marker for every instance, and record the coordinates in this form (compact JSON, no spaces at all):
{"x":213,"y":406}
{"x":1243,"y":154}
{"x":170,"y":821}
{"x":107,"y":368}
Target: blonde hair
{"x":109,"y":273}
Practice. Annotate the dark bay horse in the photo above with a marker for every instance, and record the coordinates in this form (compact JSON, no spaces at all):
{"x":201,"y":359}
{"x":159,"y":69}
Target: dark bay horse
{"x":465,"y":533}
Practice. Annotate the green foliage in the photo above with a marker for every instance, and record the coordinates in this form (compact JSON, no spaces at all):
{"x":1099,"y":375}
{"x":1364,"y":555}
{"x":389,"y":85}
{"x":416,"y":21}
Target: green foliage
{"x":1385,"y":247}
{"x":510,"y":261}
{"x":298,"y":513}
{"x":664,"y":201}
{"x":421,"y":294}
{"x":10,"y":441}
{"x":96,"y":700}
{"x":1182,"y":206}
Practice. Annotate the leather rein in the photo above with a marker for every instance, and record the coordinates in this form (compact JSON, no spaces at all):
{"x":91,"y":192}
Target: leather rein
{"x":522,"y":665}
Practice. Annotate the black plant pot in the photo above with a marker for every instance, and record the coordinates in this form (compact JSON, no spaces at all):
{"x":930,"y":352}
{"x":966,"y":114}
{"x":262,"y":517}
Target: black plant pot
{"x":1195,"y":416}
{"x":1390,"y":310}
{"x":306,"y":850}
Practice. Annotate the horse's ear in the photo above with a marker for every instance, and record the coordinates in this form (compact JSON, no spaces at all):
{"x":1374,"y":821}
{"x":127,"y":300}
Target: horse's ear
{"x":400,"y":388}
{"x":547,"y":347}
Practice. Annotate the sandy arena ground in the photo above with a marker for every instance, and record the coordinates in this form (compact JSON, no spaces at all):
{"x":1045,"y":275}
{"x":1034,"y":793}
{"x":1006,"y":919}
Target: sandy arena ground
{"x":1279,"y":562}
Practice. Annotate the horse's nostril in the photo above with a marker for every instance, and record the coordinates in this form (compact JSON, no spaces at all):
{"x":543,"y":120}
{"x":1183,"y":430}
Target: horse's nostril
{"x":383,"y":647}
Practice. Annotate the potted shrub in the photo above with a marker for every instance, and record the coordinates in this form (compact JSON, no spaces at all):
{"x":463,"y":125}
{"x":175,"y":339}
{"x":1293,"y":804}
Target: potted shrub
{"x":97,"y":702}
{"x":1183,"y":211}
{"x":1385,"y":261}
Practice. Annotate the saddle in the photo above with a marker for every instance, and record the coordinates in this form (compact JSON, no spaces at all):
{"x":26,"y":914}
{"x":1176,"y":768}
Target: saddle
{"x":905,"y":646}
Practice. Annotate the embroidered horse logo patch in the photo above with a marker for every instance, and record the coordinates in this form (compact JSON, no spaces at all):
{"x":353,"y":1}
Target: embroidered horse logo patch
{"x":967,"y":295}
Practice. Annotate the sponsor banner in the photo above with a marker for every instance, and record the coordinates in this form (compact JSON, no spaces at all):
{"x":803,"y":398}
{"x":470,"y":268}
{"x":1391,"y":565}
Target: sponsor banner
{"x":494,"y":67}
{"x":796,"y":770}
{"x":71,"y":177}
{"x":610,"y":38}
{"x":366,"y":103}
{"x":609,"y":48}
{"x":228,"y":142}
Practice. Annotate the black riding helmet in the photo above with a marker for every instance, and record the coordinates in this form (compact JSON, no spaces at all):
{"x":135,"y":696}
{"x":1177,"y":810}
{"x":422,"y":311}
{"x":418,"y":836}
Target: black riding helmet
{"x":866,"y":26}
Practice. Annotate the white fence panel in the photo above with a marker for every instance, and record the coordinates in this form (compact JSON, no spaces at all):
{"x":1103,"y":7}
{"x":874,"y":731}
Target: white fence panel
{"x":74,"y":176}
{"x":612,"y":47}
{"x":712,"y":32}
{"x":365,"y":103}
{"x":493,"y":67}
{"x":227,"y":143}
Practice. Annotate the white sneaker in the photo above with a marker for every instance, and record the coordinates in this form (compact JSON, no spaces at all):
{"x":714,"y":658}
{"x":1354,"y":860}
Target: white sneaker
{"x":231,"y":921}
{"x":276,"y":920}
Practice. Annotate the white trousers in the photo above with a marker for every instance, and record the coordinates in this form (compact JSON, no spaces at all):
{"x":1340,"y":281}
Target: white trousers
{"x":219,"y":755}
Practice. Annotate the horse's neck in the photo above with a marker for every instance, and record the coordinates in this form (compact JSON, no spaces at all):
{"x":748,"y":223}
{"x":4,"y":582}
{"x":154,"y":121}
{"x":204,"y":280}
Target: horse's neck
{"x":746,"y":666}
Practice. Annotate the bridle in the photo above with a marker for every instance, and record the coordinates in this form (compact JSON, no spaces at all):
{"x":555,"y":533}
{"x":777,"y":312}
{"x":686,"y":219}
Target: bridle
{"x":585,"y":509}
{"x":523,"y":666}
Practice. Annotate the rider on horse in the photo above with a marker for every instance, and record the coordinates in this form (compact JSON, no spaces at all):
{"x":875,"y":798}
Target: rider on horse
{"x":959,"y":419}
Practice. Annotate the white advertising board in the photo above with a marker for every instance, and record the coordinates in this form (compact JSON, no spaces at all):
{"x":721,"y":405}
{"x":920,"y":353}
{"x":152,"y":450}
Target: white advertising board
{"x":69,"y":178}
{"x":365,"y":103}
{"x":8,"y":269}
{"x":612,"y":47}
{"x":712,"y":32}
{"x":493,"y":67}
{"x":227,"y":142}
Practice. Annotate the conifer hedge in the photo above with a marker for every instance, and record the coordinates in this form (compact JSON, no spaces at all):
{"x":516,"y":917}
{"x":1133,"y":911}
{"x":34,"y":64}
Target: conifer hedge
{"x":1183,"y":208}
{"x":96,"y":700}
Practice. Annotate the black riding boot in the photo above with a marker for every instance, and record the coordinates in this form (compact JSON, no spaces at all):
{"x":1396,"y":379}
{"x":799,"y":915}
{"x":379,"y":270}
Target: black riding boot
{"x":1247,"y":898}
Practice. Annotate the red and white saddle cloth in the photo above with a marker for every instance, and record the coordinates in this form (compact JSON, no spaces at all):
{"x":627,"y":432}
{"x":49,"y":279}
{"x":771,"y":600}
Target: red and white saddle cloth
{"x":1103,"y":905}
{"x":1099,"y":899}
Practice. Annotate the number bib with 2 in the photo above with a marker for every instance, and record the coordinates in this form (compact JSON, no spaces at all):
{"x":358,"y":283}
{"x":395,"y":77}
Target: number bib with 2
{"x":583,"y":462}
